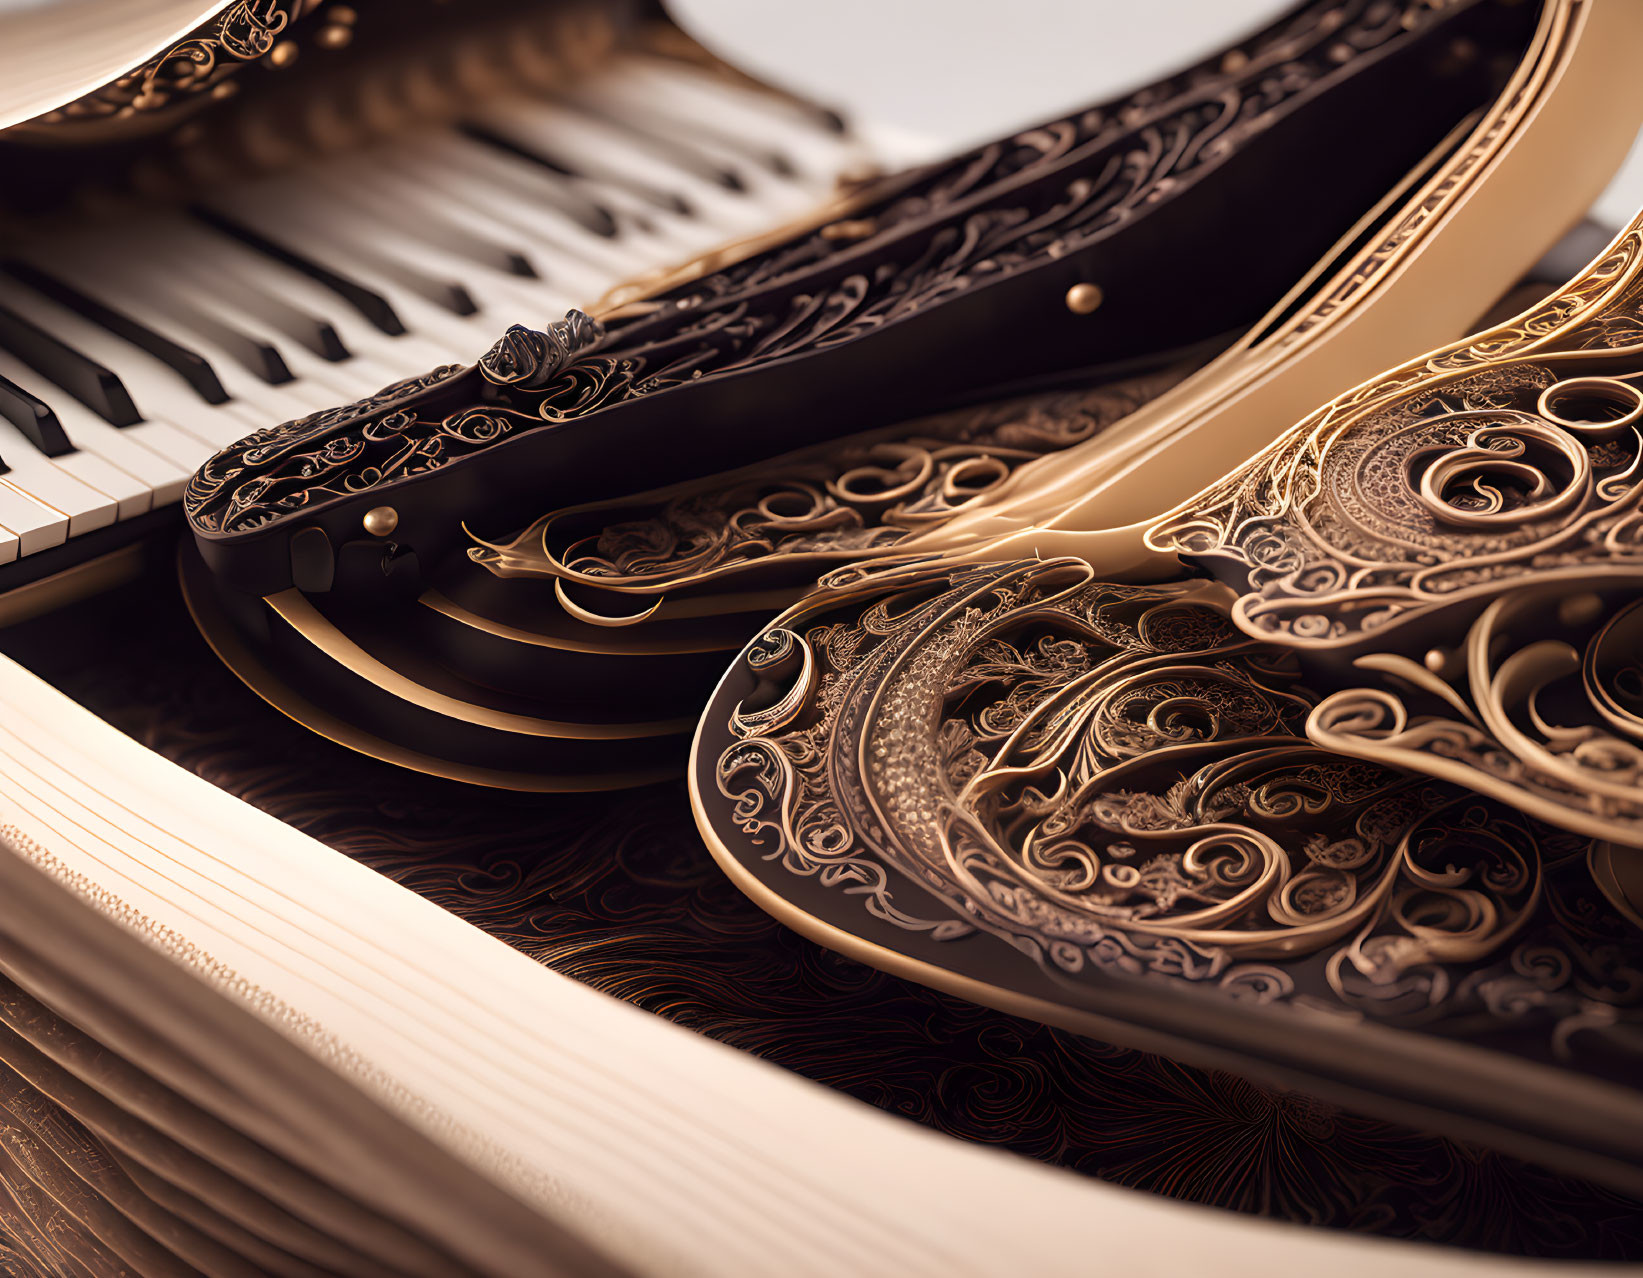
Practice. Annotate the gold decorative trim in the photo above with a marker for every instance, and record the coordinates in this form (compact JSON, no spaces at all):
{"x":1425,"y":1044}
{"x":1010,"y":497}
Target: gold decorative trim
{"x":297,"y":611}
{"x":182,"y":76}
{"x":647,"y":645}
{"x":221,"y":636}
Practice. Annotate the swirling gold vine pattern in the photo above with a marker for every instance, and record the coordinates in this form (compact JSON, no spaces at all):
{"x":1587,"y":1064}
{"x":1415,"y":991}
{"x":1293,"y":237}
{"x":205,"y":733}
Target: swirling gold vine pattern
{"x":1112,"y":779}
{"x":622,"y":897}
{"x":1462,"y":544}
{"x":1248,"y":78}
{"x":241,"y":33}
{"x":858,"y":499}
{"x":391,"y":435}
{"x":307,"y":460}
{"x":971,"y":223}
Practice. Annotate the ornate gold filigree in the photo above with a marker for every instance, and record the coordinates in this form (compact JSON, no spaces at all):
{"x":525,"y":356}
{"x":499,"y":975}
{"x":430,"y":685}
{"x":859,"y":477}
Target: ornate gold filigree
{"x":1108,"y":777}
{"x":288,"y":466}
{"x":1542,"y":708}
{"x":1111,"y":780}
{"x":530,"y":358}
{"x":242,"y":32}
{"x":621,"y":898}
{"x":813,"y":509}
{"x":1459,"y":545}
{"x":1031,"y":201}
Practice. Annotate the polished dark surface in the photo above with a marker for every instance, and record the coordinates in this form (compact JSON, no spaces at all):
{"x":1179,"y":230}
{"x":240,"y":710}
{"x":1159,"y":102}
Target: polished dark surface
{"x":619,"y":893}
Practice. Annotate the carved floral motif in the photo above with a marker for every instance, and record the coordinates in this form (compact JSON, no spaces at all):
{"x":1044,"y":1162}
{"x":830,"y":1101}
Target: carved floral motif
{"x":1114,"y":780}
{"x":812,"y":509}
{"x":1460,"y":545}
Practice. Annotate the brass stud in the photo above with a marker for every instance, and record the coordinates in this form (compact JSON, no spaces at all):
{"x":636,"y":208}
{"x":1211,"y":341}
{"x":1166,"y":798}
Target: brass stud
{"x":282,"y":54}
{"x":1234,"y":61}
{"x":380,"y":521}
{"x":1579,"y":610}
{"x":1082,"y":299}
{"x":1437,"y":660}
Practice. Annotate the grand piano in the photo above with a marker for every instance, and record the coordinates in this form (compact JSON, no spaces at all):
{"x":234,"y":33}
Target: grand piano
{"x":220,"y":219}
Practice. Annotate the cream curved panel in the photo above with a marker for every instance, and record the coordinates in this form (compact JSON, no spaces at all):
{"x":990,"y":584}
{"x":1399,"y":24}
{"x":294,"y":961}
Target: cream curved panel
{"x":54,"y":51}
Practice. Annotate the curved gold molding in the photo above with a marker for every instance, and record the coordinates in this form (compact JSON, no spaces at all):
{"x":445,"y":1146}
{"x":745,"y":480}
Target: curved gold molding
{"x":298,"y":612}
{"x":221,"y":636}
{"x":646,"y":644}
{"x":181,"y":55}
{"x":1473,"y":228}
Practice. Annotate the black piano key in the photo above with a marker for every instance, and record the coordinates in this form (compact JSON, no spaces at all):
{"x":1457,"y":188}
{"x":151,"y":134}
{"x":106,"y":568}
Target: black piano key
{"x":369,"y":303}
{"x":591,"y":215}
{"x":779,"y":164}
{"x":668,"y":200}
{"x":261,"y":358}
{"x":455,"y":298}
{"x":432,"y":227}
{"x":189,"y":365}
{"x":35,"y":419}
{"x":328,"y":343}
{"x":310,"y":331}
{"x":82,"y":377}
{"x":679,"y":154}
{"x":447,"y":294}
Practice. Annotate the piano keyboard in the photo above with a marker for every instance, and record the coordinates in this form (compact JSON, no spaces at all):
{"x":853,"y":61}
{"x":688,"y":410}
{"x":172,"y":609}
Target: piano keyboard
{"x":132,"y":351}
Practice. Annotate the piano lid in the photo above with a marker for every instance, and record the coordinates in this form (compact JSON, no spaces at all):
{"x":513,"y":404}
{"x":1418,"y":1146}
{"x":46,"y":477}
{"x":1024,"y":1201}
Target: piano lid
{"x":72,"y":63}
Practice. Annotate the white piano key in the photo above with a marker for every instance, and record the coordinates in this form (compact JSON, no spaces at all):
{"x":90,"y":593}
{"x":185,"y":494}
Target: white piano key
{"x":686,"y":94}
{"x":549,"y":129}
{"x":564,"y":274}
{"x":434,"y":336}
{"x":529,"y":191}
{"x":392,"y":217}
{"x":155,"y":389}
{"x":671,"y":238}
{"x":10,"y":546}
{"x":491,"y":181}
{"x":316,"y":381}
{"x":219,"y":257}
{"x":35,"y":526}
{"x":606,"y":150}
{"x":780,"y":196}
{"x":648,"y":235}
{"x":131,"y":497}
{"x":376,"y":358}
{"x":37,"y":476}
{"x":127,"y":449}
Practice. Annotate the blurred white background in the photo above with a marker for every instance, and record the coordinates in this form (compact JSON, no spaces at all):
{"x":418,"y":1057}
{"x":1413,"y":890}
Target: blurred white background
{"x":948,"y":72}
